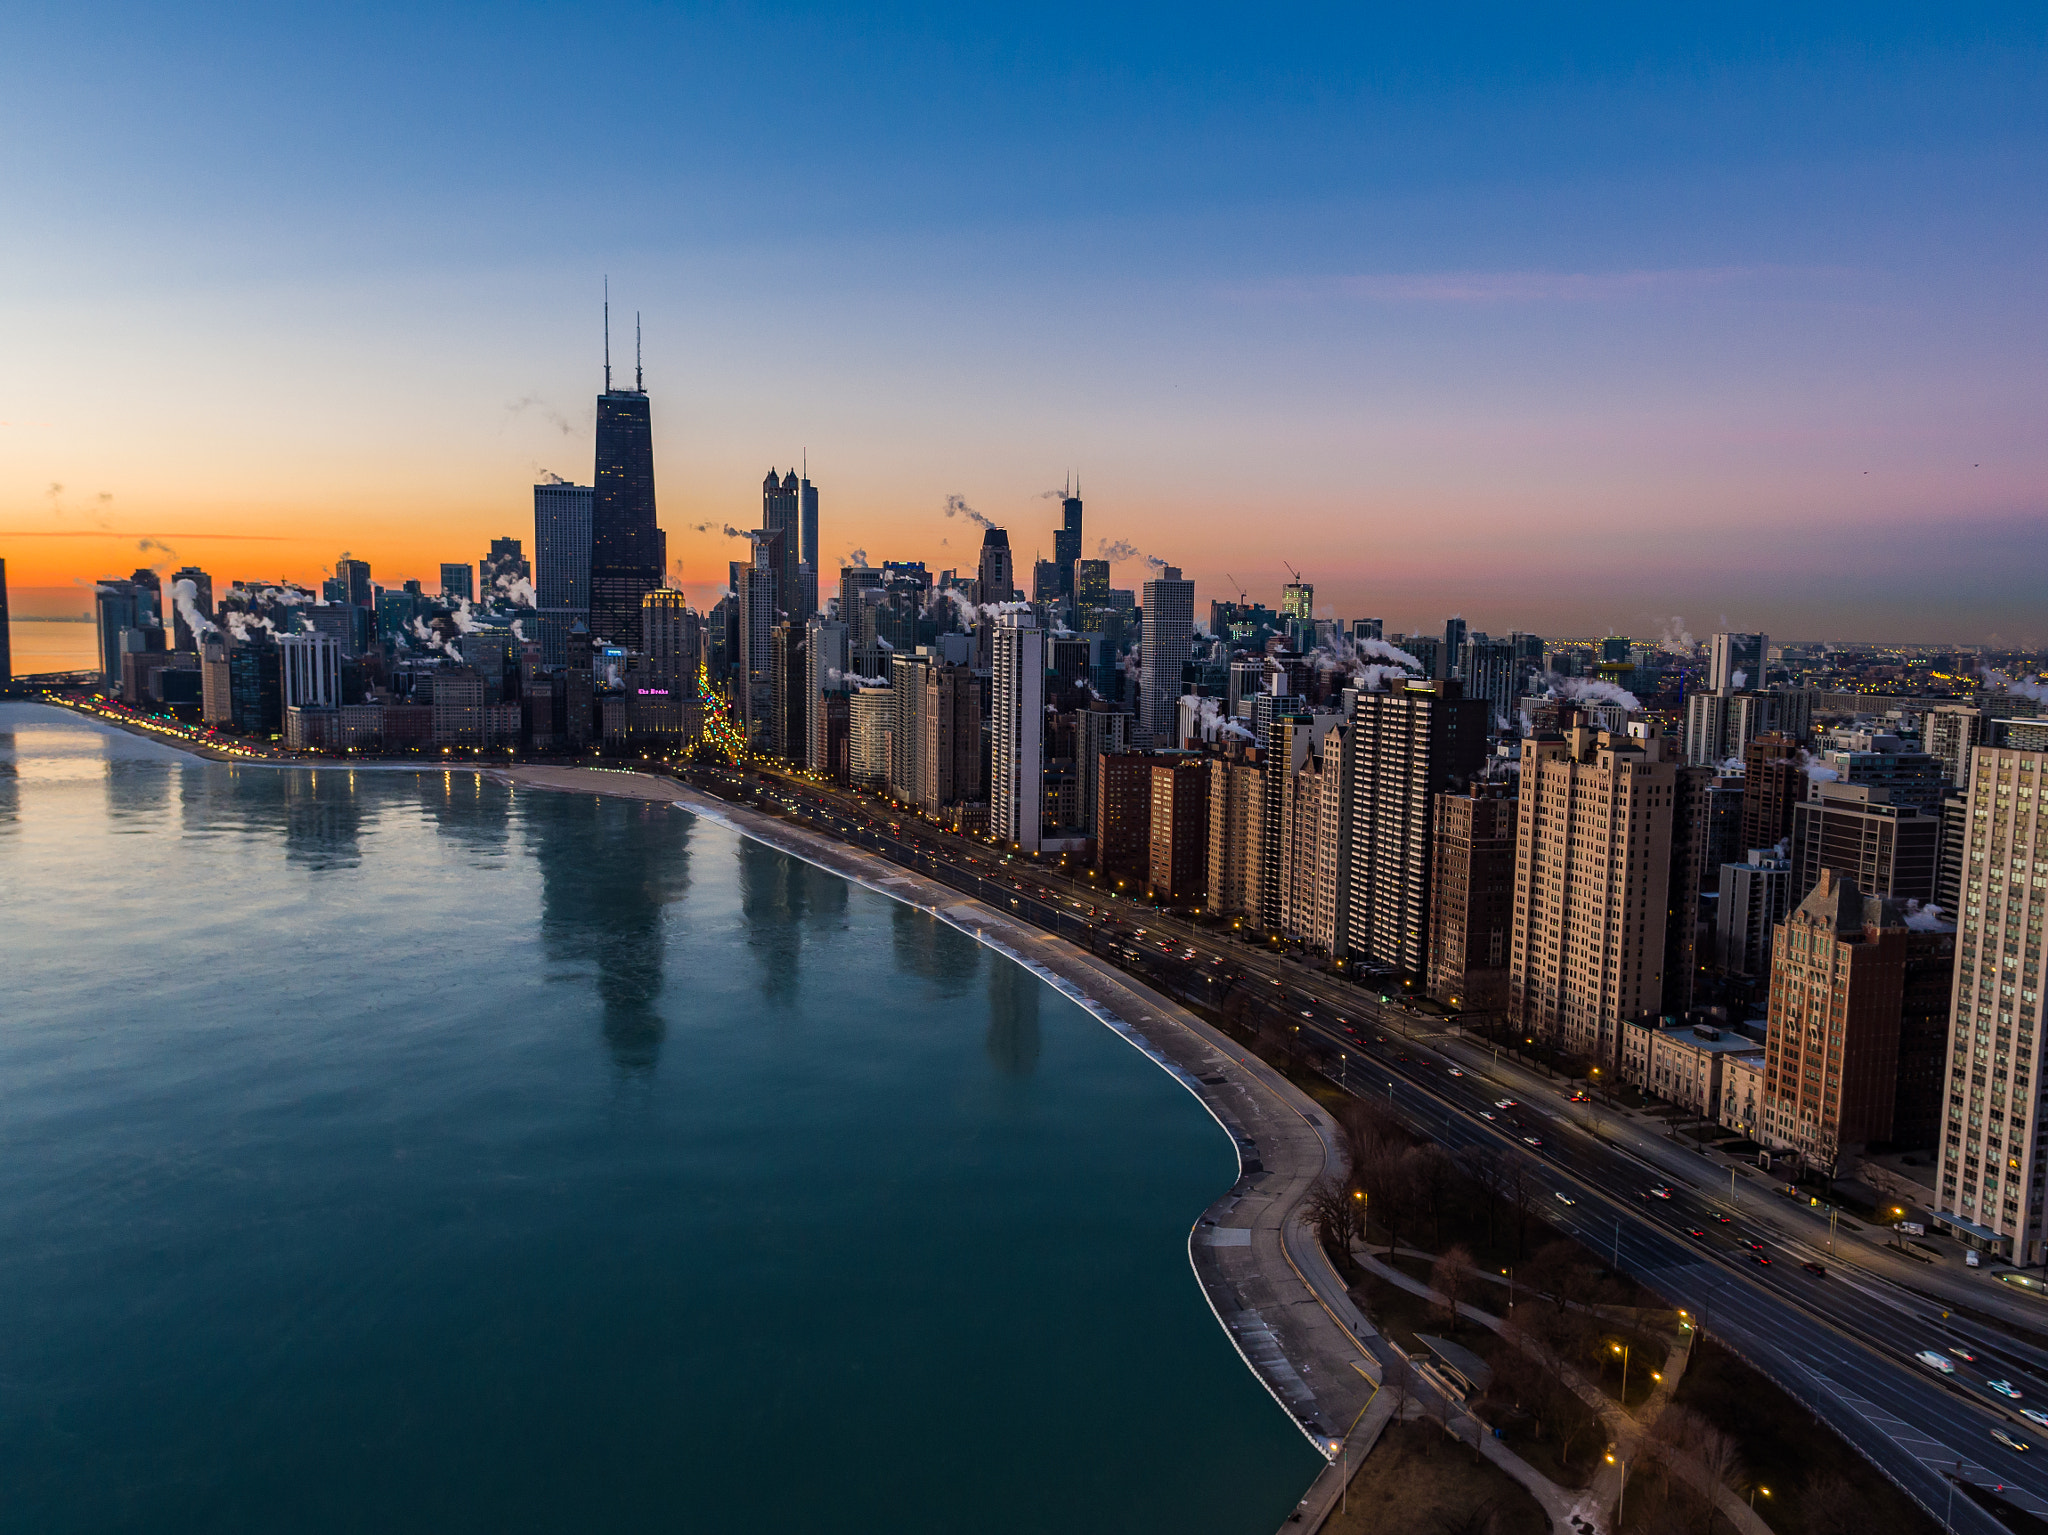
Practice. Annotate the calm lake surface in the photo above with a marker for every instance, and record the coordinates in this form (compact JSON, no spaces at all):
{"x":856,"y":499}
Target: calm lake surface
{"x":403,"y":1152}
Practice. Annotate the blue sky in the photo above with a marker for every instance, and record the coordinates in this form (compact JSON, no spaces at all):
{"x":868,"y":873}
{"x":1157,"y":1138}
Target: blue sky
{"x":1564,"y":320}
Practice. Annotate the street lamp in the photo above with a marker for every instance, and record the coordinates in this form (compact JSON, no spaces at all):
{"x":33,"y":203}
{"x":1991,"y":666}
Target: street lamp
{"x":1621,"y":1498}
{"x":1622,"y":1349}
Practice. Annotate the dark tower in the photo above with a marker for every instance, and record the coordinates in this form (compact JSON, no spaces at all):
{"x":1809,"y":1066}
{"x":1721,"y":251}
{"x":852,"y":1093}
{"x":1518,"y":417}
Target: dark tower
{"x":1066,"y":542}
{"x":780,"y":514}
{"x":626,"y":547}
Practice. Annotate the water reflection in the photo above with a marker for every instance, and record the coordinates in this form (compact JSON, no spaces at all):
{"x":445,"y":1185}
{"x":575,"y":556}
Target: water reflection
{"x":10,"y":781}
{"x":929,"y":949}
{"x":470,"y":809}
{"x":781,"y":898}
{"x":1013,"y":1043}
{"x":607,"y":869}
{"x":323,"y":820}
{"x":138,"y":793}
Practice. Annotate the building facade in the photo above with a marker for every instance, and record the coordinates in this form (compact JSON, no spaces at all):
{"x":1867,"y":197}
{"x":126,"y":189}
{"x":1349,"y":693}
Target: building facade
{"x":1991,"y":1168}
{"x":1472,"y":898}
{"x":1017,"y":729}
{"x":1592,"y":878}
{"x":1166,"y":637}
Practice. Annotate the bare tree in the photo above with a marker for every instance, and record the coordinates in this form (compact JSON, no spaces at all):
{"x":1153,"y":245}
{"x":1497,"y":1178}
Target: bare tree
{"x":1452,"y":1279}
{"x":1486,"y":1165}
{"x":1333,"y":1213}
{"x":1398,"y":1381}
{"x":1832,"y":1505}
{"x":1522,"y":1194}
{"x":1434,"y":1178}
{"x":1476,"y":1520}
{"x":1390,"y":1191}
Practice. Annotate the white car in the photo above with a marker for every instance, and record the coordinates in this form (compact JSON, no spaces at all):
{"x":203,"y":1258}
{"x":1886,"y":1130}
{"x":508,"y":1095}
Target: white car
{"x":1935,"y":1361}
{"x":2035,"y":1416}
{"x":1565,"y":1199}
{"x":2004,"y":1388}
{"x":1661,"y":1193}
{"x":1503,"y":1103}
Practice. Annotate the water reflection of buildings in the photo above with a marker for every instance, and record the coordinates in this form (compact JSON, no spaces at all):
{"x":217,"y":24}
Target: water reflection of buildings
{"x":607,"y":869}
{"x":469,"y":809}
{"x":1013,"y":997}
{"x":930,"y":950}
{"x":782,"y":899}
{"x":323,"y":819}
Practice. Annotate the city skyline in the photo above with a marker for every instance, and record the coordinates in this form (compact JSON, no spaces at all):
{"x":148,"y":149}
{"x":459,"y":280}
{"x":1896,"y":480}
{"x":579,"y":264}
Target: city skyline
{"x":1760,"y":307}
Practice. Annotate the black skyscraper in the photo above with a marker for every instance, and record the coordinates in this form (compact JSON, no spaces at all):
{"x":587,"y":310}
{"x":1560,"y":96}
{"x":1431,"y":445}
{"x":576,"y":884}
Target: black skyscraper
{"x":626,"y":559}
{"x":1066,"y":542}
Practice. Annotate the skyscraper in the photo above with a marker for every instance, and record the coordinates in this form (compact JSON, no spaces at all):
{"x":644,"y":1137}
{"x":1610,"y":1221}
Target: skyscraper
{"x":1472,"y":899}
{"x":1991,"y":1170}
{"x":782,"y":515}
{"x":1091,"y":583}
{"x":561,"y":551}
{"x":1165,"y":639}
{"x":1773,"y":782}
{"x":949,"y":736}
{"x":201,"y":598}
{"x":6,"y":643}
{"x":1838,"y":972}
{"x":1066,"y":543}
{"x":626,"y":549}
{"x":1736,"y":661}
{"x":998,"y":580}
{"x":1593,"y":848}
{"x":1402,"y":749}
{"x":808,"y":514}
{"x":458,"y":580}
{"x":757,"y":618}
{"x":1017,"y":728}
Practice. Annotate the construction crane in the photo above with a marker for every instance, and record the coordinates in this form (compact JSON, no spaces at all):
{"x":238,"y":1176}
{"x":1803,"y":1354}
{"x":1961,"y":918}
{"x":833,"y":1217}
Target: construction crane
{"x":1293,"y":572}
{"x":1238,"y":584}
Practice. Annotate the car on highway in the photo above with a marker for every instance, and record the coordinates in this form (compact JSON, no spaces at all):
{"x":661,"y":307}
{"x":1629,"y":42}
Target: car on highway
{"x":1565,"y":1199}
{"x":1694,"y":1231}
{"x":1456,"y":1073}
{"x":1484,"y":1115}
{"x":1814,"y":1269}
{"x":1721,"y":1219}
{"x":1530,"y":1140}
{"x":1505,"y":1103}
{"x":1963,"y":1354}
{"x":2018,"y":1445}
{"x":1306,"y":1013}
{"x":2004,"y":1388}
{"x":2035,"y":1415}
{"x":1763,"y":1260}
{"x":1580,"y":1098}
{"x":1751,"y":1243}
{"x":1661,"y":1192}
{"x":1935,"y":1361}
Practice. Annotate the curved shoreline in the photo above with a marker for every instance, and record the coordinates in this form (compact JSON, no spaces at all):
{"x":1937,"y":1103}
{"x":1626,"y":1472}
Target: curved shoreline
{"x":1265,"y":1279}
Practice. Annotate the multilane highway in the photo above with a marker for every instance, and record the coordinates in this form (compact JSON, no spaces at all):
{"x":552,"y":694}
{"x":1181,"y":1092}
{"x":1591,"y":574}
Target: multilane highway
{"x":1839,"y":1329}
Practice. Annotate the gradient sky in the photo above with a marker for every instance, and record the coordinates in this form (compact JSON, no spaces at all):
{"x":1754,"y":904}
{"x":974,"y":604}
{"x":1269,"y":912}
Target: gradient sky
{"x":1568,"y":322}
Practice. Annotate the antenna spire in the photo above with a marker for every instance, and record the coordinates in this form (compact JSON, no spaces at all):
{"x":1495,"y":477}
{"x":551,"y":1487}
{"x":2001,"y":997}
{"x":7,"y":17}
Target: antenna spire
{"x":607,"y":335}
{"x":638,"y":386}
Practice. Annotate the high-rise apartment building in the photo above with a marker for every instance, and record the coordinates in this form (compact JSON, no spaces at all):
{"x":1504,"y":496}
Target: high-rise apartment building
{"x":789,"y":687}
{"x":498,"y":570}
{"x":1403,"y":747}
{"x":1923,"y":1031}
{"x":1178,"y":831}
{"x":825,"y":661}
{"x":628,"y":557}
{"x":950,"y":736}
{"x":1123,"y":817}
{"x":1855,"y":829}
{"x":1166,"y":637}
{"x":1593,"y":841}
{"x":1279,"y":730}
{"x":311,"y":671}
{"x":1991,"y":1165}
{"x":1692,"y":842}
{"x":906,"y":732}
{"x":1755,"y":895}
{"x":1736,"y":662}
{"x":1234,"y":796}
{"x":1910,"y":779}
{"x":1720,"y":726}
{"x":1316,"y":780}
{"x":663,"y":690}
{"x":869,"y":715}
{"x":1016,"y":727}
{"x":457,"y":581}
{"x":1949,"y":733}
{"x":129,"y":615}
{"x":1773,"y":783}
{"x":1298,"y":601}
{"x":1472,"y":898}
{"x":1838,"y":971}
{"x":1097,"y":729}
{"x":561,"y":551}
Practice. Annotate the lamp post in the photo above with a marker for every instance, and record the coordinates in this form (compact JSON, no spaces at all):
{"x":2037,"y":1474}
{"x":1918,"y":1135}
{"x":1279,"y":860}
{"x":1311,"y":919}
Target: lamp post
{"x":1620,"y":1498}
{"x":1622,"y":1349}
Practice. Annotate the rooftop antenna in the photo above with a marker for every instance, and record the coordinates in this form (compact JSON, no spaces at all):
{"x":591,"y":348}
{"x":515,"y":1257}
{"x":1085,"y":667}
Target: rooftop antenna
{"x":607,"y":335}
{"x":638,"y":387}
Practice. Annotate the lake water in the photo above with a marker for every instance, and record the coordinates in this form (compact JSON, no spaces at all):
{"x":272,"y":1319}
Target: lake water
{"x":402,"y":1152}
{"x":40,"y":646}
